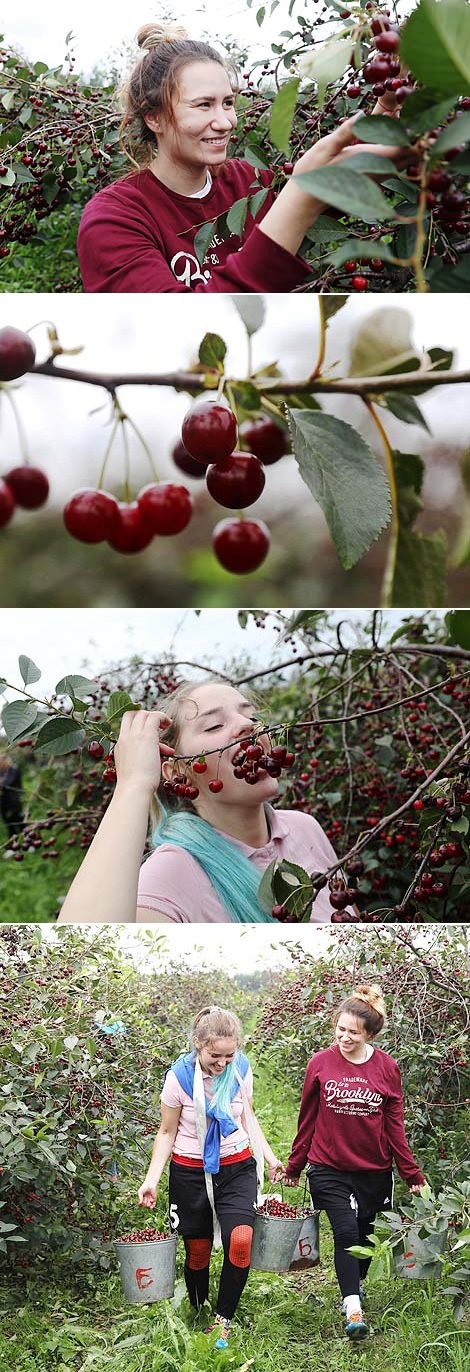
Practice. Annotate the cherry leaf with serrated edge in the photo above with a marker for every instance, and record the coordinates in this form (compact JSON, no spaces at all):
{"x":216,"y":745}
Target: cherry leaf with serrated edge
{"x":340,"y":470}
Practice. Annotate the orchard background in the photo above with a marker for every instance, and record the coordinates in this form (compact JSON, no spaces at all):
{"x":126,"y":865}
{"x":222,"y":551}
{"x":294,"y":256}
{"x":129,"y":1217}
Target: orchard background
{"x":80,"y":1108}
{"x":377,"y":721}
{"x":60,"y":142}
{"x":358,"y":414}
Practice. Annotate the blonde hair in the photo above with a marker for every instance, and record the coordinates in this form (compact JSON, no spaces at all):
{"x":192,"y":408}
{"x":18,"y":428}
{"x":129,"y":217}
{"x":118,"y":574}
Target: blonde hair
{"x":153,"y":83}
{"x":367,"y":1004}
{"x":214,"y":1023}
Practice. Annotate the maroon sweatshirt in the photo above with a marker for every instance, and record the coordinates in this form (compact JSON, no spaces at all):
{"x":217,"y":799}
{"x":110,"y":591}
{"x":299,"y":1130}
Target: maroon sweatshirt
{"x":137,"y":235}
{"x":351,"y":1117}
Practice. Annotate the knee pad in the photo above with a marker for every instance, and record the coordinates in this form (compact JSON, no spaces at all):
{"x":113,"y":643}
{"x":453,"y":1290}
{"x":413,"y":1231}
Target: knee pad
{"x":198,"y":1252}
{"x":241,"y":1240}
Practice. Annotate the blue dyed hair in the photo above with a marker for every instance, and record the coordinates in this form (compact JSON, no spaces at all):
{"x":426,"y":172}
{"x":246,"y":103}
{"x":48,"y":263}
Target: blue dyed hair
{"x":235,"y":879}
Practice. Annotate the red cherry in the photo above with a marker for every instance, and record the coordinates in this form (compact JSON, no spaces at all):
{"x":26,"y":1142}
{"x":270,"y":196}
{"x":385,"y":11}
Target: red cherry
{"x":216,"y":786}
{"x":17,"y":353}
{"x":353,"y":90}
{"x":236,"y":481}
{"x":388,"y":42}
{"x":359,"y":283}
{"x":209,"y":431}
{"x":109,"y":774}
{"x":266,"y":440}
{"x":241,"y":545}
{"x":165,"y":509}
{"x":130,"y":534}
{"x":200,"y":767}
{"x":7,"y":503}
{"x":95,"y":749}
{"x":30,"y":486}
{"x":186,"y":463}
{"x":91,"y":515}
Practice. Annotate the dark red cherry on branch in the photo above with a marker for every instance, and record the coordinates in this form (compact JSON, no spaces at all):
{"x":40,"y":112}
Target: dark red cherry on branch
{"x":236,"y":481}
{"x":241,"y":545}
{"x":209,"y":431}
{"x":388,"y":42}
{"x":7,"y":503}
{"x":216,"y":786}
{"x":30,"y":486}
{"x":95,"y":749}
{"x":266,"y":440}
{"x":17,"y":353}
{"x":91,"y":515}
{"x":185,"y":463}
{"x":165,"y":508}
{"x":130,"y":534}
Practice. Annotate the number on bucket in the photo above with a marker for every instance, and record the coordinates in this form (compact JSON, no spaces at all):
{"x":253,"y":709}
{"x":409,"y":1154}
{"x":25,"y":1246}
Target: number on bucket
{"x":305,"y":1248}
{"x":142,"y":1277}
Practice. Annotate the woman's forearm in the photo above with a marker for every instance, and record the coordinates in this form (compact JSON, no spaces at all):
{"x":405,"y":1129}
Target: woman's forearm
{"x":292,"y":214}
{"x":161,"y":1152}
{"x":104,"y":890}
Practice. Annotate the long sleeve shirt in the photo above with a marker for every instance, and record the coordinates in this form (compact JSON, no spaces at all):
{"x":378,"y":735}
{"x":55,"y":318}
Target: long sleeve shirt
{"x":351,"y":1117}
{"x":137,"y":235}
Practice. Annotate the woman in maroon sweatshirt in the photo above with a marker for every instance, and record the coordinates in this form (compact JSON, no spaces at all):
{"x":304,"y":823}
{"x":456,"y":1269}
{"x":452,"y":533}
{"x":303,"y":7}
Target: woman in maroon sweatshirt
{"x":138,"y":234}
{"x":350,"y":1129}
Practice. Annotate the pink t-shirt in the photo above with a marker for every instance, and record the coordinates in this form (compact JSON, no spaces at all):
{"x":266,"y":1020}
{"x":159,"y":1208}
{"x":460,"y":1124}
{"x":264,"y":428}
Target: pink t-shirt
{"x":173,"y":883}
{"x":186,"y":1141}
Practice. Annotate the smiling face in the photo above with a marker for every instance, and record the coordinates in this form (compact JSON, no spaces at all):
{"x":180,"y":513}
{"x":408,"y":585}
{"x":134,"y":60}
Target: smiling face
{"x":216,"y":1054}
{"x":351,"y":1036}
{"x":203,"y":116}
{"x":216,"y":716}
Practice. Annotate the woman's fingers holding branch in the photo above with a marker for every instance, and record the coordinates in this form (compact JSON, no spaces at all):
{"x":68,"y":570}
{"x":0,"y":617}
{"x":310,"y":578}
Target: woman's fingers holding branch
{"x":139,"y":748}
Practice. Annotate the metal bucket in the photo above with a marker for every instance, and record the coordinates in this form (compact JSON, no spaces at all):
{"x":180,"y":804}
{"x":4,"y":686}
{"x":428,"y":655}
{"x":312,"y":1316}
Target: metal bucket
{"x":147,"y":1269}
{"x":274,"y":1242}
{"x":307,"y":1250}
{"x":420,"y":1259}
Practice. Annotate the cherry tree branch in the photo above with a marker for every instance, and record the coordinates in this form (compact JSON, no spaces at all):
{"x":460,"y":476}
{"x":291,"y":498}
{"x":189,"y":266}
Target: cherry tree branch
{"x":199,"y":381}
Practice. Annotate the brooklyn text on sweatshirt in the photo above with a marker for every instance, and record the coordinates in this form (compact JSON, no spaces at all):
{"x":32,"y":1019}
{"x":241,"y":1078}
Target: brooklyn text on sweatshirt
{"x":138,"y":236}
{"x":173,"y":883}
{"x":351,"y":1116}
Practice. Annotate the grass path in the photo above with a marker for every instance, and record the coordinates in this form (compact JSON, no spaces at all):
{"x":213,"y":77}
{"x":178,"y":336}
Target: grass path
{"x":284,"y":1324}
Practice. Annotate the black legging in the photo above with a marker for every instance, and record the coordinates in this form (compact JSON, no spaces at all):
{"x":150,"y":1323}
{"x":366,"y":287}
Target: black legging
{"x":235,"y":1198}
{"x":351,"y":1201}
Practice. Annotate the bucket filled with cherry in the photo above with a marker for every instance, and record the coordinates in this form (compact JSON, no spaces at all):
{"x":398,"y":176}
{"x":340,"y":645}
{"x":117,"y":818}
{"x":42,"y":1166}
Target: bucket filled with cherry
{"x":147,"y":1261}
{"x":276,"y":1234}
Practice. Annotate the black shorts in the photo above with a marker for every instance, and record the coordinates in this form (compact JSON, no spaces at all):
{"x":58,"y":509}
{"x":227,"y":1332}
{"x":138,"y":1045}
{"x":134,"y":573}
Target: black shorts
{"x":372,"y":1190}
{"x":235,"y":1191}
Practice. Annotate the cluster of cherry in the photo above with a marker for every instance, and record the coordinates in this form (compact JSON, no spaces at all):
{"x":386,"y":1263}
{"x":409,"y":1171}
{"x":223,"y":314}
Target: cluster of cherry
{"x":249,"y":764}
{"x":144,"y":1236}
{"x":277,"y":1209}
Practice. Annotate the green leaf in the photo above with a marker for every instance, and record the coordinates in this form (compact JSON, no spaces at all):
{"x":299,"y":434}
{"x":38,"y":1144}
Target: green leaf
{"x":18,"y":717}
{"x":246,"y":397}
{"x":256,"y":202}
{"x":349,"y":191}
{"x":252,"y":309}
{"x":362,"y":248}
{"x":75,"y":686}
{"x":329,"y":305}
{"x":381,"y":342}
{"x":340,"y":470}
{"x":293,"y":888}
{"x":260,"y":14}
{"x":416,"y":572}
{"x":453,"y":135}
{"x":28,"y":669}
{"x":265,"y":888}
{"x":236,"y":217}
{"x":404,"y":407}
{"x":435,"y":45}
{"x":203,"y":239}
{"x":326,"y":231}
{"x":59,"y":736}
{"x":282,"y":114}
{"x":212,"y":351}
{"x":454,"y":279}
{"x":441,"y":359}
{"x":458,"y":627}
{"x":381,"y":128}
{"x":420,"y":112}
{"x":376,"y":165}
{"x":326,"y":63}
{"x":119,"y":702}
{"x":9,"y":178}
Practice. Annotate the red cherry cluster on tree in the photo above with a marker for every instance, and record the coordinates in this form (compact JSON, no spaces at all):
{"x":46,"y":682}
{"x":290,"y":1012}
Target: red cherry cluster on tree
{"x":25,"y":486}
{"x":95,"y":516}
{"x":234,"y":478}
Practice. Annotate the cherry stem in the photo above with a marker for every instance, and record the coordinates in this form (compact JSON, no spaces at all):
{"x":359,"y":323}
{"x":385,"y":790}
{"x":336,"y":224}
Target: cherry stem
{"x":393,"y":549}
{"x":21,"y":432}
{"x":322,"y":344}
{"x":146,"y":449}
{"x":116,"y":421}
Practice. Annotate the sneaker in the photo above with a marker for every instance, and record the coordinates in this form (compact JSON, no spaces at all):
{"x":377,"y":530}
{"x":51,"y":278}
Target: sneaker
{"x":356,"y":1327}
{"x":220,"y":1322}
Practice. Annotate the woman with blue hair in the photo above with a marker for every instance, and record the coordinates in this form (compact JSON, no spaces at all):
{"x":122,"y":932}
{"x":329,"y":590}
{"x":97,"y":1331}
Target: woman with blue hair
{"x":211,"y":846}
{"x":217,"y":1150}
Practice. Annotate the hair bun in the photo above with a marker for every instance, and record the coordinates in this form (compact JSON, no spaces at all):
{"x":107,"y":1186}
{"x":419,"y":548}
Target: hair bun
{"x":150,"y":35}
{"x":372,"y":995}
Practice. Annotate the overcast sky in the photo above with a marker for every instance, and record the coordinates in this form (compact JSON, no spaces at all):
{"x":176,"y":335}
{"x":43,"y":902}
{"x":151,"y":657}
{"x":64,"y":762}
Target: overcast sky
{"x":100,"y":29}
{"x":61,"y":641}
